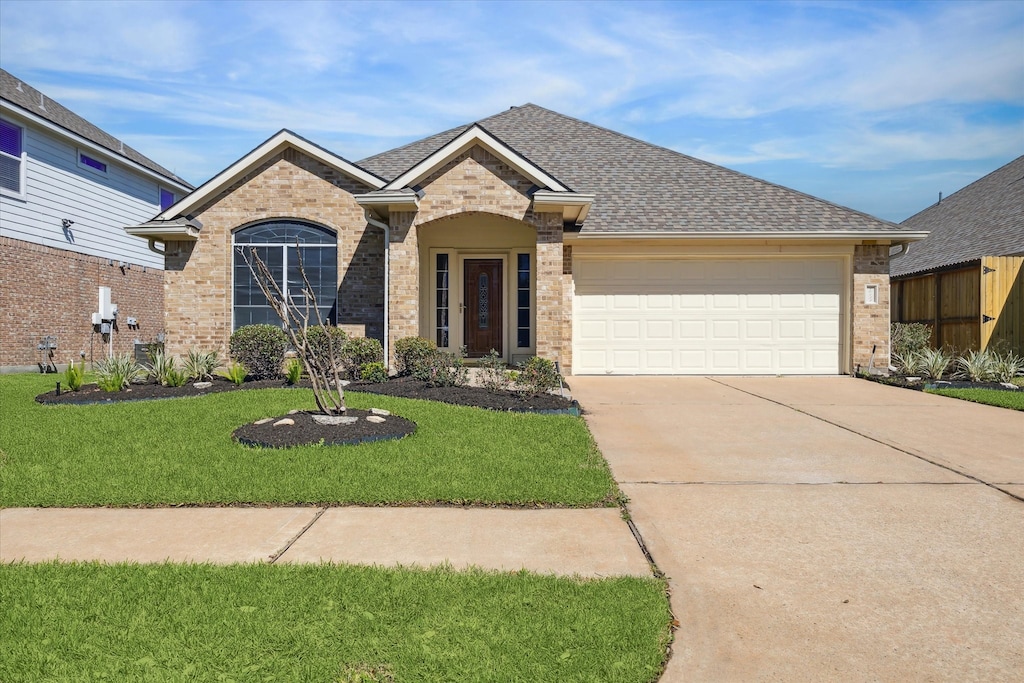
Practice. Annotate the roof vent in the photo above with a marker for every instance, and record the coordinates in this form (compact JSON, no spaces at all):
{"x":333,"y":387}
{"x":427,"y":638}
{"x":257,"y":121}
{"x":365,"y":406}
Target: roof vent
{"x":42,"y":101}
{"x":19,"y":87}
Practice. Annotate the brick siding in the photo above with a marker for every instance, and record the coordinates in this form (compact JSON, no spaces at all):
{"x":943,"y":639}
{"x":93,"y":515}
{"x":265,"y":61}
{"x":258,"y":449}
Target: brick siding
{"x":48,"y":291}
{"x":870,"y":322}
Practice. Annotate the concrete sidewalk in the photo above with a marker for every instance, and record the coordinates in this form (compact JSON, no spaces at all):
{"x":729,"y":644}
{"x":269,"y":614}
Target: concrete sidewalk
{"x":586,"y":542}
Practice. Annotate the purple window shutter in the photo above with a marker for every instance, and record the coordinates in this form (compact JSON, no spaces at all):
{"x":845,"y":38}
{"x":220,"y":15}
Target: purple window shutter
{"x":166,"y":199}
{"x":10,"y":139}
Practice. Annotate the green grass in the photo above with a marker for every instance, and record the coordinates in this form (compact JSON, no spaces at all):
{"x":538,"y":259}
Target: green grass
{"x":324,"y":623}
{"x":993,"y":397}
{"x":179,"y":451}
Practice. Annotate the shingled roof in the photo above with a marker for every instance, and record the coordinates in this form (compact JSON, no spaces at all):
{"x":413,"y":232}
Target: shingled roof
{"x":26,"y":97}
{"x":641,"y":187}
{"x":986,"y":218}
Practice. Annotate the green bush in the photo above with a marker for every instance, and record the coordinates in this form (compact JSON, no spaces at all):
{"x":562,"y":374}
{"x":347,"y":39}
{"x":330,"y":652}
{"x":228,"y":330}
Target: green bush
{"x":442,"y":369}
{"x":494,"y":375}
{"x":236,"y":372}
{"x":411,"y":351}
{"x":910,"y":338}
{"x":320,"y":340}
{"x":260,"y":348}
{"x":175,"y":377}
{"x":537,"y":376}
{"x":293,"y":371}
{"x":160,"y":365}
{"x":374,"y":372}
{"x":74,"y":375}
{"x":200,"y":366}
{"x":359,"y":351}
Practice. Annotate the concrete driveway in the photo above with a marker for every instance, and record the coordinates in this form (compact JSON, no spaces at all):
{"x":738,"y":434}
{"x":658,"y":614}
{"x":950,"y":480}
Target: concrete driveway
{"x":823,"y":528}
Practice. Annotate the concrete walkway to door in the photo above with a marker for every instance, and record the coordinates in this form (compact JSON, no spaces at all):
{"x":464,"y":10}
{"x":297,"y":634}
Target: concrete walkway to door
{"x":823,"y":528}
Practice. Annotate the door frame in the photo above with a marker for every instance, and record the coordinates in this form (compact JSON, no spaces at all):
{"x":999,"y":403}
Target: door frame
{"x":461,"y":257}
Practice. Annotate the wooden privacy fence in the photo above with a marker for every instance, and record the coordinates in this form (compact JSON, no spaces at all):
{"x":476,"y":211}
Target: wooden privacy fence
{"x":977,"y":306}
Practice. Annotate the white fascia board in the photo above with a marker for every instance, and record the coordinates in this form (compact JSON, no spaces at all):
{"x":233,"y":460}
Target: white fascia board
{"x":177,"y":232}
{"x":11,"y":109}
{"x":575,"y":205}
{"x":475,"y":136}
{"x":273,"y":146}
{"x":894,"y":237}
{"x":400,"y":200}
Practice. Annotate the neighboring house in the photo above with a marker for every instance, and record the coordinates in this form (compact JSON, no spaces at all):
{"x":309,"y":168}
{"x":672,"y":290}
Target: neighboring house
{"x":530,"y":232}
{"x":966,"y":280}
{"x":66,"y":191}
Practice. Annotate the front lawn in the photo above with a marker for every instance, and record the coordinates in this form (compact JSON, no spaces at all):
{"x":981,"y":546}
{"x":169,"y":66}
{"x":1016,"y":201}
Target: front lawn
{"x":993,"y":397}
{"x":179,"y":451}
{"x":325,"y":623}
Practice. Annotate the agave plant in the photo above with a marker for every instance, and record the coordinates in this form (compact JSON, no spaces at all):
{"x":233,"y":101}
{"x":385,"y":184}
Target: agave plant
{"x":201,"y":366}
{"x":1006,"y":367}
{"x":976,"y":366}
{"x":160,"y":365}
{"x":236,"y":372}
{"x":909,"y":363}
{"x":118,"y":372}
{"x":934,"y":363}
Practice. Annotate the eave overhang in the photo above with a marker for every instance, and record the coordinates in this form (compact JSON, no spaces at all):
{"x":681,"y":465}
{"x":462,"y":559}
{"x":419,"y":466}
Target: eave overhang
{"x":177,"y":230}
{"x":573,"y":205}
{"x":383,"y":202}
{"x":900,"y":237}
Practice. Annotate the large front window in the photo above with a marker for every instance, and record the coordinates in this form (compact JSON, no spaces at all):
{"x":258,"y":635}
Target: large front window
{"x":282,"y":245}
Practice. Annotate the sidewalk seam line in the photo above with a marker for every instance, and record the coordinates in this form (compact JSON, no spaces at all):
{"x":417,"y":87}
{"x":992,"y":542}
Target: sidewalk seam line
{"x":276,"y":556}
{"x":871,"y":438}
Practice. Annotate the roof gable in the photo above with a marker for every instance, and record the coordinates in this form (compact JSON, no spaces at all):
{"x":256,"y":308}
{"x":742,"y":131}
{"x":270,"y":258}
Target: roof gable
{"x":986,"y":218}
{"x":475,"y":135}
{"x":274,"y":145}
{"x":641,"y":188}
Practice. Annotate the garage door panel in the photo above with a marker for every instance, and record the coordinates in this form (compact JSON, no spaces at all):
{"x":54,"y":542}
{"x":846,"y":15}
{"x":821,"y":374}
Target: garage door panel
{"x":707,"y":317}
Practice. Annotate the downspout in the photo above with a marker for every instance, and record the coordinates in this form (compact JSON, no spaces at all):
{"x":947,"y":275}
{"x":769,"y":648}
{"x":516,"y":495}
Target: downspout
{"x":904,"y":248}
{"x":387,"y":280}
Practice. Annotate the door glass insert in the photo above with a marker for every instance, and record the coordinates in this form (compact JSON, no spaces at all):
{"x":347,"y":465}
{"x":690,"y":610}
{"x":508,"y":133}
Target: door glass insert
{"x":483,"y":302}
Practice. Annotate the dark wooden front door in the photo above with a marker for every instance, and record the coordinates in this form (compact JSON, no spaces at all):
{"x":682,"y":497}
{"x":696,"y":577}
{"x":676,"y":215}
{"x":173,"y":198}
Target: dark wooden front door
{"x":484,"y":315}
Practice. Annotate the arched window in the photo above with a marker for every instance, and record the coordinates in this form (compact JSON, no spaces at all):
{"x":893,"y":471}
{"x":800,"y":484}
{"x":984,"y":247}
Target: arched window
{"x":281,"y":245}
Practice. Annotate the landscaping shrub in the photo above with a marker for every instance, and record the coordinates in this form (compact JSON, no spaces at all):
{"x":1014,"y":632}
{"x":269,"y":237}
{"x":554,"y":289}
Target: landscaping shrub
{"x":374,"y":372}
{"x":260,"y":348}
{"x":907,"y":363}
{"x":237,"y":372}
{"x":160,"y":365}
{"x":494,"y":372}
{"x":411,"y":351}
{"x":1006,"y":366}
{"x":910,"y":338}
{"x":933,"y":363}
{"x":74,"y":375}
{"x":977,"y":366}
{"x":200,"y":366}
{"x":442,"y":369}
{"x":293,"y":371}
{"x":359,"y":351}
{"x":322,"y":338}
{"x":118,"y":372}
{"x":537,"y":376}
{"x":175,"y":377}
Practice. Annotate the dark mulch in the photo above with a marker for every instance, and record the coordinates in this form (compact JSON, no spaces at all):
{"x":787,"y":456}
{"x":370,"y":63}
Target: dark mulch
{"x":90,"y":393}
{"x":924,"y":383}
{"x":306,"y":432}
{"x":407,"y":387}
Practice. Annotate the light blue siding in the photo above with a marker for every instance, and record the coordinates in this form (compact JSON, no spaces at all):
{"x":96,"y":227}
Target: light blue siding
{"x":56,"y":187}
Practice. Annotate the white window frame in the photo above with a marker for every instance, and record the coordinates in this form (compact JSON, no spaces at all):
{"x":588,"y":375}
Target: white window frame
{"x":79,"y":153}
{"x":22,"y":164}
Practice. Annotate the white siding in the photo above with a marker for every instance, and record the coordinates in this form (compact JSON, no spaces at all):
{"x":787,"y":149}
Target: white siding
{"x":56,"y":187}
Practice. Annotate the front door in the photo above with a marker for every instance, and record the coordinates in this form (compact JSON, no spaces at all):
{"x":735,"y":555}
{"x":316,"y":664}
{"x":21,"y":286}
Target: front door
{"x":483,"y":314}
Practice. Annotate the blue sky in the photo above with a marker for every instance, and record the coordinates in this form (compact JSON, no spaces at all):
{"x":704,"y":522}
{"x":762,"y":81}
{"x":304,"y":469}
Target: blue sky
{"x":873,"y":105}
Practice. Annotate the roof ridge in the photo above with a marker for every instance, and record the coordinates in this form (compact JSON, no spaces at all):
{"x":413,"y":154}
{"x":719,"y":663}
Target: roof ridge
{"x":707,"y":163}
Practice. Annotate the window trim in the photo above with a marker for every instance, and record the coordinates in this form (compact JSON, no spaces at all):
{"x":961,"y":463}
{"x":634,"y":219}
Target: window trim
{"x":79,"y":153}
{"x":22,"y":164}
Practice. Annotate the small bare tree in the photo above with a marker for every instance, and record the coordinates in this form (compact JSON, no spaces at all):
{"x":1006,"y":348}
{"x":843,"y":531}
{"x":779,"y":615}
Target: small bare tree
{"x":322,"y":361}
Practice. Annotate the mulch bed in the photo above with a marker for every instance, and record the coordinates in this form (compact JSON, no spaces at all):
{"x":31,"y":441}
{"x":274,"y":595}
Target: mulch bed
{"x":90,"y":393}
{"x":925,"y":383}
{"x":306,"y":432}
{"x":407,"y":387}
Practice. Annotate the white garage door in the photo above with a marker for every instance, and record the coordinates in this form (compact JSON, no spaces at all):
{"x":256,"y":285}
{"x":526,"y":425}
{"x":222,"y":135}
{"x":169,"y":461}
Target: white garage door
{"x":646,"y":317}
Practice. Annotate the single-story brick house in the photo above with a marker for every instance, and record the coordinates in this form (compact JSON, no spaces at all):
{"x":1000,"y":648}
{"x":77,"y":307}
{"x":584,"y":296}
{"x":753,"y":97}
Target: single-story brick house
{"x":534,"y":233}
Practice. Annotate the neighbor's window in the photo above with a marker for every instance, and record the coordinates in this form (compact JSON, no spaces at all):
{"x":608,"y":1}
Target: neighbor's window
{"x":86,"y":161}
{"x":12,"y":158}
{"x":166,"y":199}
{"x":523,"y":301}
{"x":281,"y":245}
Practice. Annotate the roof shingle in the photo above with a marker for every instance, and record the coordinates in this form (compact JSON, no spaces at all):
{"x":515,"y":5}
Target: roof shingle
{"x":23,"y":95}
{"x":641,"y":187}
{"x":986,"y":218}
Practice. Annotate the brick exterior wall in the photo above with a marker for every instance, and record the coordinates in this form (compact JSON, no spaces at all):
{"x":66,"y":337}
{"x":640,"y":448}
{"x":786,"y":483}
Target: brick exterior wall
{"x":477,"y":181}
{"x":870,"y":322}
{"x":47,"y":291}
{"x":292,"y":186}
